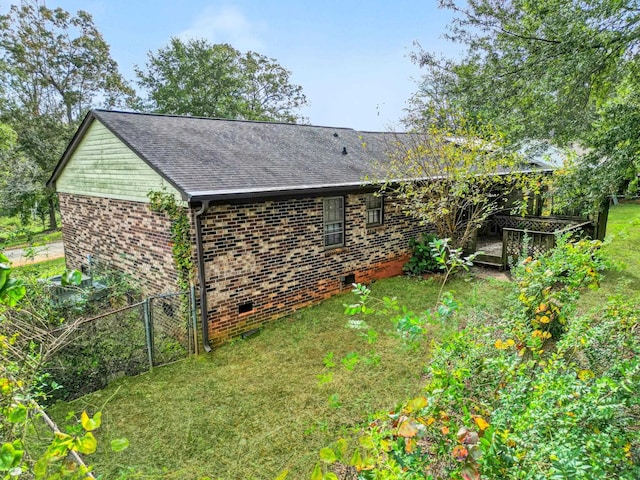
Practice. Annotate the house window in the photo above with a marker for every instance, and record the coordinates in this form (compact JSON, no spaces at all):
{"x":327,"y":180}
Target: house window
{"x":333,"y":222}
{"x":374,"y":210}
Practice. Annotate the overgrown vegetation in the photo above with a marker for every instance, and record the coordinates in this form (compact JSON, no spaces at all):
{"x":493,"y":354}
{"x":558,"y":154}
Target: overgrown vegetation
{"x":181,"y":247}
{"x":491,"y":363}
{"x":452,"y":175}
{"x":422,"y":260}
{"x":75,"y":356}
{"x":560,"y":72}
{"x":257,"y":407}
{"x":538,"y":392}
{"x":20,"y":390}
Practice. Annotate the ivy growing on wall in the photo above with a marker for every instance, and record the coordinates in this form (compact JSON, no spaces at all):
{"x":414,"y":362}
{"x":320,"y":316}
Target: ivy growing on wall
{"x":164,"y":202}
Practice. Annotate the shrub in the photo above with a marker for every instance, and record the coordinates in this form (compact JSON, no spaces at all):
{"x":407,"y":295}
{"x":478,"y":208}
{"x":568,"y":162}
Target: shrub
{"x":547,"y":288}
{"x":520,"y":397}
{"x":423,"y":259}
{"x":76,"y":356}
{"x":19,"y":377}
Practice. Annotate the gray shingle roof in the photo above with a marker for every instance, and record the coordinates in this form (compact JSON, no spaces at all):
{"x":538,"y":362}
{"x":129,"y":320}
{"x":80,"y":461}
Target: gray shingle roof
{"x":203,"y":156}
{"x":216,"y":158}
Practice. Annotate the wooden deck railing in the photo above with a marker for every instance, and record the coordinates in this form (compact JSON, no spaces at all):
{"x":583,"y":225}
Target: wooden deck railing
{"x":513,"y":240}
{"x":540,"y":224}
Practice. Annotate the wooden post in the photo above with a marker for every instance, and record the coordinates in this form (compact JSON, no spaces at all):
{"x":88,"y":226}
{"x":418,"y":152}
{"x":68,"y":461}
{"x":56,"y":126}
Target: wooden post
{"x":603,"y":217}
{"x":504,"y":248}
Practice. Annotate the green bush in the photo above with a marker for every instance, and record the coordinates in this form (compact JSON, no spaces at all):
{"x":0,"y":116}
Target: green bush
{"x":632,"y":188}
{"x":520,"y":396}
{"x":423,"y":259}
{"x":78,"y":356}
{"x":20,"y":456}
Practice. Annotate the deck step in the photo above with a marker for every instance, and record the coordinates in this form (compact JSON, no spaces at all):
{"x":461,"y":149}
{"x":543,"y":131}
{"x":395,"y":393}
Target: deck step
{"x":489,"y":260}
{"x":487,"y":263}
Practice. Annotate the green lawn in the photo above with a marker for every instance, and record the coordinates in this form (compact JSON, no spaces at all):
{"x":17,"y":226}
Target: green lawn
{"x":622,"y":245}
{"x":13,"y":234}
{"x":45,"y":269}
{"x":254,"y":408}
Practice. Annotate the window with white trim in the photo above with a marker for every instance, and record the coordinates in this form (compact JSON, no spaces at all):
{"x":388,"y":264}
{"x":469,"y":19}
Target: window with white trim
{"x":375,"y":207}
{"x":333,"y":214}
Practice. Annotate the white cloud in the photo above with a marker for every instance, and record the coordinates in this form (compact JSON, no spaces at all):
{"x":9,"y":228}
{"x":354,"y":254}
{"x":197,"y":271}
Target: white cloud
{"x":225,"y":25}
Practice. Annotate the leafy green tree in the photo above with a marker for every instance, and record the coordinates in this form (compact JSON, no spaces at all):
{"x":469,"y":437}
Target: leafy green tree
{"x":58,"y":63}
{"x":559,"y":70}
{"x":451,"y":174}
{"x":268,"y":92}
{"x":27,"y":166}
{"x":216,"y":80}
{"x":18,"y":184}
{"x":55,"y":66}
{"x":539,"y":68}
{"x":17,"y":174}
{"x":7,"y":137}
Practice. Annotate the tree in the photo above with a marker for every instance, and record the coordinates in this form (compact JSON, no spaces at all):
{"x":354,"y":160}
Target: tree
{"x":452,"y":175}
{"x":548,"y":69}
{"x":56,"y":67}
{"x":58,"y":63}
{"x":613,"y":161}
{"x":19,"y":189}
{"x":540,"y":68}
{"x":268,"y":93}
{"x":8,"y":137}
{"x":17,"y":174}
{"x":216,"y":80}
{"x":41,"y":139}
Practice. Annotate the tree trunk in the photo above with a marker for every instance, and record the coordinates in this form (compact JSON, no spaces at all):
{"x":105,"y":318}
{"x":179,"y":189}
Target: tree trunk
{"x":52,"y":214}
{"x":69,"y":113}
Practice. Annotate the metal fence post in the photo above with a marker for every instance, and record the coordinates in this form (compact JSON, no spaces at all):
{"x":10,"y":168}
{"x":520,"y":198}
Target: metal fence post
{"x":194,"y":317}
{"x":148,"y":326}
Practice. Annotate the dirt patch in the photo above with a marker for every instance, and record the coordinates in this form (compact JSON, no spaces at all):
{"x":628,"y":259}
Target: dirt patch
{"x":488,"y":272}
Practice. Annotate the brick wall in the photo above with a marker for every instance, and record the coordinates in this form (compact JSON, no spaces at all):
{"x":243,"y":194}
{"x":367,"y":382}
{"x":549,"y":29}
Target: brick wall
{"x":271,"y":254}
{"x":121,"y":234}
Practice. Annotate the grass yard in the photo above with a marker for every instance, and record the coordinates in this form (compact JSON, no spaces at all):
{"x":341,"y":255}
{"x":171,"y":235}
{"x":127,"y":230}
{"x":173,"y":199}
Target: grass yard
{"x":254,"y":408}
{"x":13,"y":234}
{"x":623,"y":247}
{"x":44,"y":269}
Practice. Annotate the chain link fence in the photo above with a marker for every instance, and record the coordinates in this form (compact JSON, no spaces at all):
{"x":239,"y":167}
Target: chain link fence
{"x":171,"y":329}
{"x":123,"y":342}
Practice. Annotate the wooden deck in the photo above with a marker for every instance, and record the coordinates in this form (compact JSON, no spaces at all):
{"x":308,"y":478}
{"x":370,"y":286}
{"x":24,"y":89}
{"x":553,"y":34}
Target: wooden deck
{"x":490,"y":246}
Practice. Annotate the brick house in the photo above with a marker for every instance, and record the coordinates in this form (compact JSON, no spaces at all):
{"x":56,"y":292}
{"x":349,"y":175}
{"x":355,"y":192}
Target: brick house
{"x":281,"y":215}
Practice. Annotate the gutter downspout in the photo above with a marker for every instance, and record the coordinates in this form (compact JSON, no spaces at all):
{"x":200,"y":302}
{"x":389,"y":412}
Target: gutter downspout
{"x":204,"y":317}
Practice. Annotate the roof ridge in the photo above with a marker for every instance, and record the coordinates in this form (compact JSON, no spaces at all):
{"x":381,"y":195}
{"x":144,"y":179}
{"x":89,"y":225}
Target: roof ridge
{"x":195,"y":117}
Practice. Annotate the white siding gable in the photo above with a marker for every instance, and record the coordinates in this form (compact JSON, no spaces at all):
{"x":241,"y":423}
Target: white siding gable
{"x":103,"y":166}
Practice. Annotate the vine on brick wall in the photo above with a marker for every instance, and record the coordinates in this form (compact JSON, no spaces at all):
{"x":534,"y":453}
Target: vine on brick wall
{"x":164,"y":202}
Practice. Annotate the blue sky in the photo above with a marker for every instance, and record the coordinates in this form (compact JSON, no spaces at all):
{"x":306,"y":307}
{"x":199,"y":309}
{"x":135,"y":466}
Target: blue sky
{"x":351,"y":57}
